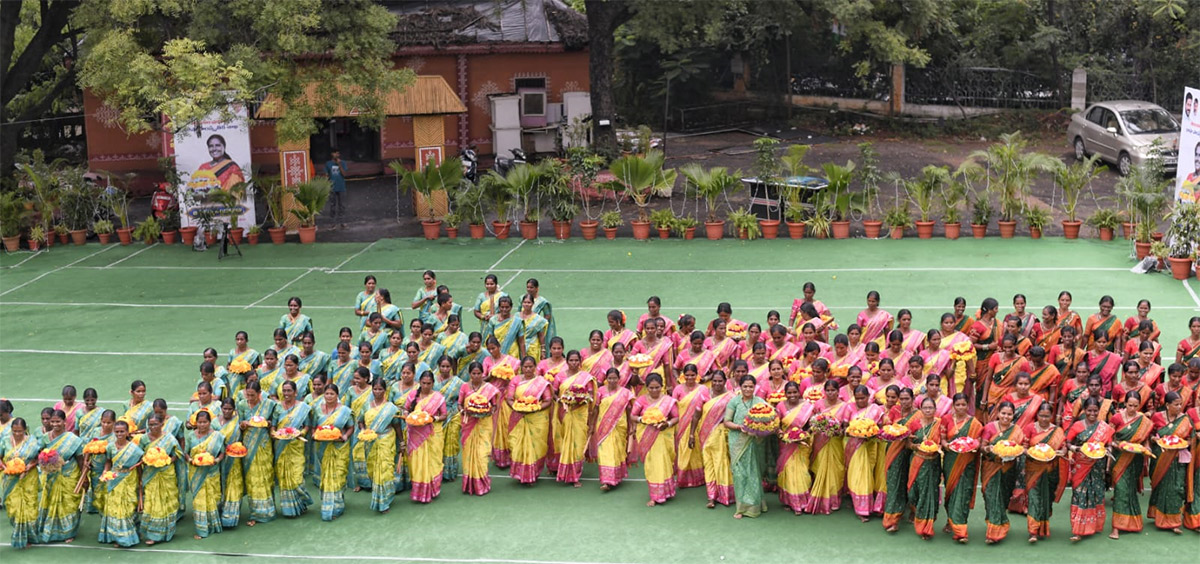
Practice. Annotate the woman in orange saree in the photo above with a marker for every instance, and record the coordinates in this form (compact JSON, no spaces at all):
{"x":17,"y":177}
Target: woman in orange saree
{"x":897,"y":458}
{"x":960,"y":469}
{"x":860,"y":455}
{"x":999,"y":475}
{"x":690,"y":396}
{"x":1140,"y":337}
{"x":1108,"y":324}
{"x":1043,"y":376}
{"x":1002,"y":372}
{"x":987,"y":334}
{"x":793,"y":477}
{"x":611,"y":439}
{"x":1087,"y":474}
{"x":1027,"y":320}
{"x":1132,"y":426}
{"x":1044,"y":481}
{"x":1189,"y":347}
{"x":722,"y":347}
{"x":1130,"y":384}
{"x":1012,"y":326}
{"x":875,"y":322}
{"x":1047,"y":332}
{"x":1143,"y":315}
{"x":1149,"y":371}
{"x":714,"y":442}
{"x":597,"y":359}
{"x":962,"y":321}
{"x":1169,"y":469}
{"x":925,"y":469}
{"x":1174,"y":383}
{"x":1066,"y":317}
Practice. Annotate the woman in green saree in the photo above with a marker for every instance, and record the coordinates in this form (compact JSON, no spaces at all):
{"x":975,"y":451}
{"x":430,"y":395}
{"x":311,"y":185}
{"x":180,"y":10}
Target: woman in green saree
{"x":507,"y":328}
{"x":20,"y":491}
{"x":450,"y":387}
{"x":364,"y":302}
{"x":1087,"y":475}
{"x":925,"y":469}
{"x":747,"y":453}
{"x":1044,"y":481}
{"x":486,"y":304}
{"x":160,"y":502}
{"x":897,"y":459}
{"x":960,"y":468}
{"x":241,"y":351}
{"x":312,"y":361}
{"x":59,"y":499}
{"x":289,"y":453}
{"x":429,"y":349}
{"x":357,"y":395}
{"x":204,"y":480}
{"x":118,"y":516}
{"x":535,"y":329}
{"x":541,"y":306}
{"x":1128,"y":469}
{"x":233,"y":486}
{"x":138,"y":409}
{"x":257,"y":414}
{"x":999,"y":476}
{"x":294,"y":322}
{"x":89,"y":418}
{"x":379,"y":417}
{"x":342,"y":366}
{"x":93,"y":499}
{"x":1168,"y":472}
{"x":332,"y":456}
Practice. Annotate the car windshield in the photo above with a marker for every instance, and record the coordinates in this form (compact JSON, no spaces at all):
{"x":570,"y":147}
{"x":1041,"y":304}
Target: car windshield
{"x":1149,"y":121}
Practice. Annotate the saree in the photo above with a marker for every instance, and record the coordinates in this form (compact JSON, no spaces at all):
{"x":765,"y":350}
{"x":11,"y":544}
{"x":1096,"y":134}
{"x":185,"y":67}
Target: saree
{"x":1046,"y":338}
{"x":357,"y":401}
{"x":426,"y":445}
{"x":233,"y":486}
{"x":316,"y":363}
{"x":365,"y":302}
{"x":118,"y":516}
{"x":611,"y":438}
{"x":333,"y":461}
{"x":400,"y":399}
{"x":897,"y":459}
{"x":1044,"y":481}
{"x":1110,"y":326}
{"x":506,"y":332}
{"x":574,"y":428}
{"x":690,"y":453}
{"x":429,"y":355}
{"x":87,"y":423}
{"x":477,"y":442}
{"x":625,"y":337}
{"x":528,"y":433}
{"x":1152,"y":375}
{"x":290,"y":461}
{"x":828,"y":465}
{"x":791,"y":467}
{"x":1186,"y":351}
{"x":1088,"y":479}
{"x":747,"y":457}
{"x":597,"y":363}
{"x":714,"y":443}
{"x":378,"y":341}
{"x":860,"y":455}
{"x":874,"y":325}
{"x":485,"y":305}
{"x":1003,"y":378}
{"x":997,"y":480}
{"x":1105,"y":365}
{"x":294,"y":327}
{"x":20,"y":492}
{"x":204,"y":483}
{"x":960,"y":471}
{"x":1145,"y":395}
{"x":137,"y":415}
{"x":250,"y":356}
{"x":1169,"y":473}
{"x":58,"y":505}
{"x":72,"y":414}
{"x":258,"y":466}
{"x":451,"y":390}
{"x":1191,"y":513}
{"x":1043,"y":380}
{"x":391,"y":312}
{"x":380,"y":453}
{"x":655,"y":448}
{"x":160,"y":492}
{"x":659,"y":355}
{"x":93,"y":498}
{"x":536,"y":341}
{"x":427,"y":307}
{"x":723,"y":352}
{"x":924,"y":477}
{"x":390,"y":363}
{"x":1128,"y":470}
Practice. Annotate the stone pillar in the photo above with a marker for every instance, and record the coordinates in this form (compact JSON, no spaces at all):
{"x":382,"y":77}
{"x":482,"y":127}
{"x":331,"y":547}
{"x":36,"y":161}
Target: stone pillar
{"x":896,"y":106}
{"x":1079,"y":89}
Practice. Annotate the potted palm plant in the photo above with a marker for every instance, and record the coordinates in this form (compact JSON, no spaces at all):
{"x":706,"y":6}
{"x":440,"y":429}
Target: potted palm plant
{"x":953,"y":196}
{"x":981,"y":215}
{"x":639,"y":177}
{"x":662,"y":220}
{"x":273,"y":193}
{"x":838,"y":194}
{"x":1011,"y":170}
{"x":310,"y":200}
{"x":468,"y":204}
{"x":685,"y":226}
{"x":794,"y":209}
{"x":923,"y":192}
{"x":898,"y":219}
{"x":745,"y":224}
{"x":494,"y":188}
{"x":1038,"y":219}
{"x":1105,"y":221}
{"x":1147,"y":193}
{"x":766,"y":170}
{"x":710,"y":185}
{"x":1072,"y":179}
{"x":611,"y":220}
{"x":562,"y":207}
{"x":1183,"y":235}
{"x":453,"y":220}
{"x":427,"y":181}
{"x":117,"y":201}
{"x":524,"y":181}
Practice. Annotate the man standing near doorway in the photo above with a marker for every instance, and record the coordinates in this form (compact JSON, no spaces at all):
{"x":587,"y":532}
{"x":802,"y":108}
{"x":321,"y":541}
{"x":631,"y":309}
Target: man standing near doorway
{"x":336,"y":169}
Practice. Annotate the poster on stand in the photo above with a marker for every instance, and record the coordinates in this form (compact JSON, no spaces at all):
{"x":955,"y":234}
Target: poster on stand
{"x":211,"y":157}
{"x":1187,"y":173}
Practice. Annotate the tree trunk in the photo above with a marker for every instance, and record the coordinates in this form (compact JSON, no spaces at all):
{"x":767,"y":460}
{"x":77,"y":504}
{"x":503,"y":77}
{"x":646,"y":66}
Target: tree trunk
{"x":604,"y":17}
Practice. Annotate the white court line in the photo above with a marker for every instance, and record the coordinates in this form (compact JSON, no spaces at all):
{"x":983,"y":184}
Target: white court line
{"x":1192,"y":292}
{"x":321,"y":557}
{"x":99,"y":353}
{"x":48,"y":273}
{"x":150,"y":267}
{"x":26,"y":259}
{"x":353,"y":256}
{"x":497,"y":263}
{"x":112,"y":264}
{"x":511,"y":278}
{"x":754,"y":270}
{"x":281,"y":288}
{"x":107,"y":402}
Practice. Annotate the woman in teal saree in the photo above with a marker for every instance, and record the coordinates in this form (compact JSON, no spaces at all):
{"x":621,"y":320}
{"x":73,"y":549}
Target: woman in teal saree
{"x":364,"y":302}
{"x":296,"y":324}
{"x":332,"y":456}
{"x":20,"y":491}
{"x":59,"y":504}
{"x":507,"y":329}
{"x":204,"y":479}
{"x":289,"y":452}
{"x":94,"y":497}
{"x":160,"y":507}
{"x":257,"y":414}
{"x":746,"y":452}
{"x":379,"y":418}
{"x":118,"y":516}
{"x":541,"y":306}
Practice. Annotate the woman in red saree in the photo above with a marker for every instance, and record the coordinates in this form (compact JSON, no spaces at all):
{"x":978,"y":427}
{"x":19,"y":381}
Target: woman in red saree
{"x":1027,"y":320}
{"x":1003,"y":368}
{"x":1128,"y":469}
{"x":924,"y":470}
{"x":1012,"y":326}
{"x":1043,"y":376}
{"x":792,"y":466}
{"x":713,"y":438}
{"x":1143,"y":315}
{"x":610,"y":442}
{"x":1189,"y":347}
{"x":597,"y":359}
{"x":1131,"y":384}
{"x":1139,"y":338}
{"x":1066,"y":317}
{"x":690,"y":396}
{"x":722,"y":347}
{"x":1101,"y":362}
{"x":1174,"y":383}
{"x":809,"y":292}
{"x":860,"y":455}
{"x":1047,"y":332}
{"x":654,"y":443}
{"x":962,"y":321}
{"x":999,"y":476}
{"x":960,"y":469}
{"x":1066,"y":354}
{"x":897,"y":459}
{"x":1025,"y":409}
{"x":986,"y":332}
{"x":1087,"y":474}
{"x":1044,"y":481}
{"x":617,"y":333}
{"x":1169,"y":469}
{"x":1107,"y":323}
{"x":875,"y":322}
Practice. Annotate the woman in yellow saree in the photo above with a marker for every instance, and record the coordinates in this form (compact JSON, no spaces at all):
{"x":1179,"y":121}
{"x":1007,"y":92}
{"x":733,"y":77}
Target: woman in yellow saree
{"x":379,"y":418}
{"x":289,"y":452}
{"x":477,"y":432}
{"x":159,"y":507}
{"x":960,"y":469}
{"x":118,"y":516}
{"x":528,"y":432}
{"x":20,"y":491}
{"x":610,"y":441}
{"x":232,"y":482}
{"x":204,"y":480}
{"x":257,"y":414}
{"x":364,"y":302}
{"x":426,"y":442}
{"x":690,"y":396}
{"x":860,"y":455}
{"x":792,"y":467}
{"x":597,"y":359}
{"x":656,"y":414}
{"x":713,"y":438}
{"x":486,"y":302}
{"x":828,"y":452}
{"x":138,"y":409}
{"x":333,"y":455}
{"x":356,"y":396}
{"x":1128,"y":470}
{"x":577,"y":393}
{"x":61,"y":491}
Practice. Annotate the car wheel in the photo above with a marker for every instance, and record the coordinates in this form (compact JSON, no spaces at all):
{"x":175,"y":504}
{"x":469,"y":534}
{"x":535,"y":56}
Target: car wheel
{"x":1124,"y":164}
{"x":1080,"y":153}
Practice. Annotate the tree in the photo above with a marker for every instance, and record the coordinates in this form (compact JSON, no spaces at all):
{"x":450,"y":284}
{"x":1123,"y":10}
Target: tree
{"x":604,"y":17}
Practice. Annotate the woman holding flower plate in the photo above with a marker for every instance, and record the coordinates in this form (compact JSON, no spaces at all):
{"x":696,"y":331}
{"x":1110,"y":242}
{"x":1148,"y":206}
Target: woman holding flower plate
{"x":19,"y":484}
{"x":160,"y":505}
{"x":118,"y":515}
{"x":1088,"y":474}
{"x":477,"y":430}
{"x":792,"y":466}
{"x":425,"y":440}
{"x":334,"y":423}
{"x":258,"y":466}
{"x":528,"y":425}
{"x":828,"y":452}
{"x":925,"y":468}
{"x":960,"y":468}
{"x":205,"y":449}
{"x":1169,"y":467}
{"x":657,"y":414}
{"x":1132,"y":428}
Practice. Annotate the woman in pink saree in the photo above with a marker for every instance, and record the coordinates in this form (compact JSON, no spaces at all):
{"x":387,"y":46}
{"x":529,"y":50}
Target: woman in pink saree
{"x":656,"y":414}
{"x":912,"y":339}
{"x":794,"y":478}
{"x":861,"y":455}
{"x":597,"y":359}
{"x":828,"y":454}
{"x":695,"y":354}
{"x":722,"y":347}
{"x":885,"y":376}
{"x":617,"y":333}
{"x":810,"y":291}
{"x":712,"y":437}
{"x":933,"y":390}
{"x":425,"y":442}
{"x":528,"y":432}
{"x":610,"y":442}
{"x":654,"y":311}
{"x":820,"y":325}
{"x":501,"y":455}
{"x":660,"y":351}
{"x":875,"y":322}
{"x":758,"y":364}
{"x":937,"y":361}
{"x":895,"y":351}
{"x":577,"y":394}
{"x":477,"y":433}
{"x":690,"y":397}
{"x":778,"y":345}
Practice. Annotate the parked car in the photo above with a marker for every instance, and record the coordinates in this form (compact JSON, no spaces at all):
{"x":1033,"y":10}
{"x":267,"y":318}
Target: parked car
{"x":1123,"y":132}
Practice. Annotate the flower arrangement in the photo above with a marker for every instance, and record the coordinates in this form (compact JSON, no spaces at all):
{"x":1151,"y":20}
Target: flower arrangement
{"x":963,"y":445}
{"x":795,"y":436}
{"x":477,"y":405}
{"x":762,"y":420}
{"x":203,"y":459}
{"x":156,"y":457}
{"x":800,"y":374}
{"x":640,"y":361}
{"x":774,"y":398}
{"x":653,"y":416}
{"x":1135,"y":448}
{"x":49,"y":460}
{"x":1170,"y":442}
{"x":236,"y":450}
{"x":862,"y":428}
{"x":367,"y":435}
{"x":814,"y":394}
{"x":787,"y":362}
{"x":239,"y":366}
{"x":502,"y":372}
{"x":133,"y":428}
{"x":736,"y":331}
{"x":287,"y":433}
{"x":1007,"y":450}
{"x":95,"y":446}
{"x":419,"y":418}
{"x":880,"y":396}
{"x":962,"y":351}
{"x":839,"y":371}
{"x":327,"y":433}
{"x":826,"y":424}
{"x":1042,"y":452}
{"x":872,"y":368}
{"x":893,"y":432}
{"x":576,"y":396}
{"x":108,"y":476}
{"x":929,"y":447}
{"x":258,"y":422}
{"x":14,"y":466}
{"x":192,"y":417}
{"x":1093,"y":449}
{"x":527,"y":404}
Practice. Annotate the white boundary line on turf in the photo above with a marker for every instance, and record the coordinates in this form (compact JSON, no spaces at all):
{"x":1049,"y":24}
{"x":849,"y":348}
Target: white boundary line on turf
{"x":281,"y":288}
{"x":352,"y":257}
{"x":217,"y":268}
{"x":105,"y":402}
{"x":1195,"y":298}
{"x":511,"y":278}
{"x":497,"y":263}
{"x":119,"y":261}
{"x":26,"y":259}
{"x":100,"y":353}
{"x":322,"y":557}
{"x":48,"y":273}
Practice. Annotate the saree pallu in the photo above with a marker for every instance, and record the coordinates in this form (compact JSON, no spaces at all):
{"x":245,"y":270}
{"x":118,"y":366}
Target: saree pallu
{"x":714,"y":441}
{"x":358,"y":451}
{"x":425,"y":451}
{"x":1043,"y":381}
{"x":1191,"y":511}
{"x":1106,"y":366}
{"x":332,"y":462}
{"x":233,"y":486}
{"x":611,"y":439}
{"x":1004,"y":379}
{"x":656,"y":448}
{"x":290,"y":462}
{"x":829,"y":474}
{"x":258,"y":466}
{"x":532,"y":328}
{"x":58,"y":505}
{"x":793,"y":477}
{"x":924,"y":479}
{"x":960,"y":471}
{"x":365,"y":302}
{"x":20,"y":493}
{"x":1024,"y":416}
{"x":997,"y":481}
{"x":1169,"y":476}
{"x":506,"y":332}
{"x":87,"y":424}
{"x":477,"y":443}
{"x":874,"y":325}
{"x":860,"y":456}
{"x":451,"y":390}
{"x":1127,"y":472}
{"x":597,"y":364}
{"x":295,"y":327}
{"x":1088,"y":480}
{"x":1044,"y":481}
{"x":204,"y":484}
{"x":747,"y":455}
{"x":138,"y":414}
{"x":160,"y":495}
{"x":528,"y":433}
{"x":379,"y":462}
{"x":897,"y":458}
{"x":118,"y":516}
{"x":93,"y":498}
{"x":342,"y":375}
{"x":690,"y":456}
{"x":1110,"y":326}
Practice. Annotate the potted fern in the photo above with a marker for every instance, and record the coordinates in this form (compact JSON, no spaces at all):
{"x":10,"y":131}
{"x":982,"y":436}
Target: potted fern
{"x":1038,"y":219}
{"x":685,"y":226}
{"x":1105,"y":222}
{"x":310,"y":200}
{"x":710,"y":185}
{"x":745,"y":224}
{"x":662,"y":220}
{"x":898,"y":219}
{"x":610,"y":221}
{"x":148,"y":230}
{"x":104,"y":230}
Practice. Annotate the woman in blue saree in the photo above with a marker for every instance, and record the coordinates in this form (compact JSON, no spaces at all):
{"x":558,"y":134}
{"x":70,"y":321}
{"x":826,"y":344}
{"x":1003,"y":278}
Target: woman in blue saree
{"x":541,"y":306}
{"x":426,"y":295}
{"x":356,"y":396}
{"x":94,"y":497}
{"x":374,"y":335}
{"x":269,"y":371}
{"x":173,"y":427}
{"x":138,"y":409}
{"x":380,"y":452}
{"x":392,"y":358}
{"x":342,"y":366}
{"x":389,"y":313}
{"x":447,"y":384}
{"x":506,"y":328}
{"x":59,"y":503}
{"x":118,"y":524}
{"x":332,"y":456}
{"x":204,"y":480}
{"x":160,"y":506}
{"x":430,"y":349}
{"x":295,"y":323}
{"x":88,"y":420}
{"x":487,"y":303}
{"x":312,"y":361}
{"x":233,"y":486}
{"x":282,"y":346}
{"x":289,"y":452}
{"x":20,"y":491}
{"x":456,"y":343}
{"x":364,"y":302}
{"x":535,"y":329}
{"x":257,"y":414}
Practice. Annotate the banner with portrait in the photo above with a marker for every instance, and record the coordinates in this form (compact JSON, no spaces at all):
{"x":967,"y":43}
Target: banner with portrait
{"x":213,"y":161}
{"x":1187,"y":173}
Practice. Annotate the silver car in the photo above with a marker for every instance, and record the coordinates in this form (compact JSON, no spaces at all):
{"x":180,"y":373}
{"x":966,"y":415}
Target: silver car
{"x":1123,"y":132}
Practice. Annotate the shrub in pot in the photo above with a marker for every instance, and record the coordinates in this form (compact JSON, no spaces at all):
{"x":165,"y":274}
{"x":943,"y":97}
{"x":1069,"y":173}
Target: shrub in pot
{"x":37,"y":236}
{"x":611,"y":220}
{"x":148,"y":230}
{"x":662,"y":220}
{"x":12,"y":214}
{"x":639,"y":177}
{"x":924,"y":192}
{"x":1105,"y":221}
{"x":273,"y":193}
{"x":582,"y":167}
{"x":558,"y":198}
{"x":745,"y":224}
{"x":953,"y":196}
{"x":104,"y":230}
{"x":252,"y":235}
{"x":709,"y":185}
{"x":61,"y":231}
{"x":795,"y":212}
{"x":452,"y":221}
{"x":1183,"y":236}
{"x":1011,"y":170}
{"x":898,"y":219}
{"x":685,"y":227}
{"x":427,"y":181}
{"x":796,"y":216}
{"x":1072,"y":179}
{"x":1038,"y":219}
{"x":1146,"y":191}
{"x":981,"y":215}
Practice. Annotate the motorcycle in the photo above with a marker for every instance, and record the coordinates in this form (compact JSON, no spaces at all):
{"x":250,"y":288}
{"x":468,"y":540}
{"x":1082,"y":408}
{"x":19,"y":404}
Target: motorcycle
{"x":470,"y":162}
{"x":503,"y":165}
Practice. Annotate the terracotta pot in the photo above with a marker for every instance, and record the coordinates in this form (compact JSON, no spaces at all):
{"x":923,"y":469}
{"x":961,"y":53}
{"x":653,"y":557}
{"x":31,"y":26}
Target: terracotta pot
{"x":589,"y":229}
{"x":664,"y":232}
{"x":1007,"y":229}
{"x":251,"y":237}
{"x":501,"y":228}
{"x":105,"y":238}
{"x":821,"y":235}
{"x":477,"y":231}
{"x":452,"y":232}
{"x":50,"y":241}
{"x":1071,"y":229}
{"x":953,"y":230}
{"x":1106,"y":234}
{"x":689,"y":233}
{"x":1181,"y":268}
{"x":34,"y":245}
{"x":237,"y":234}
{"x":562,"y":229}
{"x":308,"y":235}
{"x":1156,"y":236}
{"x":529,"y":229}
{"x":978,"y":231}
{"x":278,"y":235}
{"x":62,"y":238}
{"x":12,"y":244}
{"x":79,"y":236}
{"x":431,"y":229}
{"x":210,"y":238}
{"x":1127,"y":228}
{"x":1035,"y":232}
{"x":795,"y":230}
{"x":872,"y":229}
{"x":924,"y":229}
{"x":742,"y":234}
{"x":641,"y":230}
{"x":714,"y":230}
{"x":897,"y":232}
{"x":124,"y":235}
{"x":1142,"y":250}
{"x":610,"y":233}
{"x":769,"y":227}
{"x":170,"y":237}
{"x":841,"y":229}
